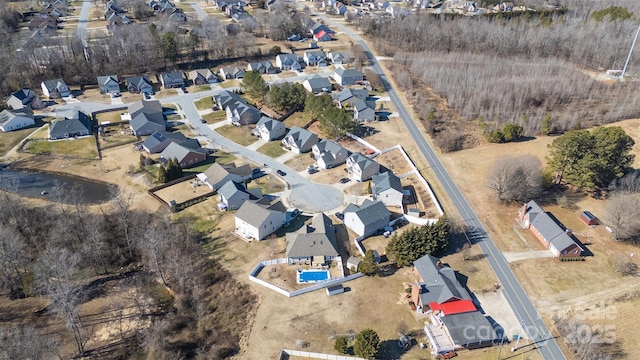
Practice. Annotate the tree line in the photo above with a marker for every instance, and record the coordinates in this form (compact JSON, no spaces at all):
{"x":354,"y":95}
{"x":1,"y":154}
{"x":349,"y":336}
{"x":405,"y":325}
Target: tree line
{"x":58,"y":251}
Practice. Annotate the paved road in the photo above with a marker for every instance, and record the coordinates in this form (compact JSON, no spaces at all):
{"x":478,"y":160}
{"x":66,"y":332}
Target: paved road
{"x":83,"y":20}
{"x":201,"y":13}
{"x":516,"y":296}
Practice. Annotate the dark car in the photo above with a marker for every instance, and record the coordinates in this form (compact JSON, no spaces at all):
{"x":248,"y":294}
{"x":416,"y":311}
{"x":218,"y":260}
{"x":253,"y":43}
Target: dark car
{"x":339,"y":215}
{"x":312,"y":171}
{"x":344,"y":180}
{"x":203,"y":121}
{"x":281,"y":173}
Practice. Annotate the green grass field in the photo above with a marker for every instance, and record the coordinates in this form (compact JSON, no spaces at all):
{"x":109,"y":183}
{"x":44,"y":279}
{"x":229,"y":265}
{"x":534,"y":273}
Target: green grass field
{"x":111,"y":116}
{"x":81,"y":148}
{"x":204,"y":103}
{"x":12,"y":138}
{"x":272,"y":149}
{"x":238,"y":134}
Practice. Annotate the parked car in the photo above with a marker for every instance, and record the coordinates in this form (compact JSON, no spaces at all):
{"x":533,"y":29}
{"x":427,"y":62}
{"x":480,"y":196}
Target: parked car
{"x":281,"y":173}
{"x":203,"y":121}
{"x":339,"y":215}
{"x":344,"y":180}
{"x":312,"y":171}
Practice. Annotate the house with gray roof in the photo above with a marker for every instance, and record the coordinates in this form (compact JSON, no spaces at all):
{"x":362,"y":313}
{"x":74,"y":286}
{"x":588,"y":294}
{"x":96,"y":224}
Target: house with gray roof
{"x":329,"y":154}
{"x":288,"y":62}
{"x":217,"y":174}
{"x":233,"y":194}
{"x":226,"y":97}
{"x":73,"y":125}
{"x":186,"y":156}
{"x":299,"y":140}
{"x":269,"y":129}
{"x":361,"y":168}
{"x":11,"y":120}
{"x":202,"y":77}
{"x":387,"y":188}
{"x":438,"y":284}
{"x":348,"y":97}
{"x":231,"y":72}
{"x":315,"y":58}
{"x":263,"y":67}
{"x":240,"y":113}
{"x":259,"y":219}
{"x":339,"y":57}
{"x":55,"y":88}
{"x":544,"y":226}
{"x":139,"y":84}
{"x":313,"y":244}
{"x":366,"y":219}
{"x":146,"y":117}
{"x":347,"y":76}
{"x":362,"y":112}
{"x":159,"y":140}
{"x":108,"y":84}
{"x":21,"y":98}
{"x":483,"y":335}
{"x":172,"y":80}
{"x":317,"y":84}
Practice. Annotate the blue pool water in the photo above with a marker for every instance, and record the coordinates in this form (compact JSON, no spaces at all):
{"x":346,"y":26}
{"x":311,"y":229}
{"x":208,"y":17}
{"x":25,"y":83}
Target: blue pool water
{"x":312,"y":276}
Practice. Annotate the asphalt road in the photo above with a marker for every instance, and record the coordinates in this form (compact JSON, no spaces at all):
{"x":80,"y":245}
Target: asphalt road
{"x":201,"y":13}
{"x":526,"y":313}
{"x":83,"y":20}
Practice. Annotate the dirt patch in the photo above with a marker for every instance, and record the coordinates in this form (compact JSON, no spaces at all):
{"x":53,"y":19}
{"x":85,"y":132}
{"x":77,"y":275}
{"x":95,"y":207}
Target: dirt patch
{"x":300,"y":162}
{"x":182,"y":191}
{"x":353,"y":145}
{"x":394,"y":161}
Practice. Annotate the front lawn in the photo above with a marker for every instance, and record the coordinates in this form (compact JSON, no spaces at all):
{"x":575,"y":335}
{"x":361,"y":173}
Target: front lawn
{"x":272,"y":149}
{"x":204,"y":103}
{"x":82,"y":148}
{"x":12,"y":138}
{"x":215,"y":117}
{"x":238,"y":134}
{"x":267,"y":184}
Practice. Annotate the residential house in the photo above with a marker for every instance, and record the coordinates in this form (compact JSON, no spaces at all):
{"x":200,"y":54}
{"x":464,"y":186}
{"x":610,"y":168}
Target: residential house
{"x":55,"y":88}
{"x":328,"y":3}
{"x":263,"y":67}
{"x":397,"y":12}
{"x":288,"y":62}
{"x":299,"y":140}
{"x":139,"y":84}
{"x":366,"y":219}
{"x":226,"y":98}
{"x":458,"y":326}
{"x":40,"y":22}
{"x":146,"y":117}
{"x":269,"y":129}
{"x":339,"y":58}
{"x":329,"y":154}
{"x":315,"y":58}
{"x":172,"y":80}
{"x":75,"y":125}
{"x":323,"y":36}
{"x":203,"y":77}
{"x":240,"y":113}
{"x":317,"y":84}
{"x":11,"y":120}
{"x":362,"y":112}
{"x":347,"y":76}
{"x":176,"y":15}
{"x":231,"y":72}
{"x":558,"y":239}
{"x":340,"y":8}
{"x":117,"y":19}
{"x":108,"y":84}
{"x":317,"y":27}
{"x":361,"y":168}
{"x":21,"y":98}
{"x":387,"y":188}
{"x":159,"y":140}
{"x":232,"y":195}
{"x":186,"y":156}
{"x":313,"y":244}
{"x":217,"y":175}
{"x":258,"y":219}
{"x":161,"y":6}
{"x":503,"y":6}
{"x":222,"y":5}
{"x":348,"y":97}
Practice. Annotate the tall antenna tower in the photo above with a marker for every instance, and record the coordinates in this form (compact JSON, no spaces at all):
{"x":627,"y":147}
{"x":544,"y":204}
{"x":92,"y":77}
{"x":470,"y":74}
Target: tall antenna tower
{"x":626,"y":63}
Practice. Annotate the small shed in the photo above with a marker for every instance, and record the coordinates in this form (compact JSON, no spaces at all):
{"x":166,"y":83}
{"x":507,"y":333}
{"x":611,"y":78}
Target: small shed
{"x":588,"y":218}
{"x":353,"y":263}
{"x":335,"y":290}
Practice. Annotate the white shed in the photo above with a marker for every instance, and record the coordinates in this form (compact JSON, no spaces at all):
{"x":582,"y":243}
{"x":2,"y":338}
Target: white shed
{"x":334,"y":290}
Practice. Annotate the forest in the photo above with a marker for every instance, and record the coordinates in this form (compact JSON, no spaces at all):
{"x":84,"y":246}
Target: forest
{"x":161,"y":295}
{"x":487,"y":71}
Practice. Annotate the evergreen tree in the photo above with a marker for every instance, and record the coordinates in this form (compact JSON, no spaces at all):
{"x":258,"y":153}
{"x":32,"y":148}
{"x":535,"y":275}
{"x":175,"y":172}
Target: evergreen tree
{"x":341,"y":345}
{"x":335,"y":122}
{"x":367,"y":344}
{"x":162,"y":175}
{"x":418,"y":241}
{"x":254,"y":85}
{"x":368,"y":265}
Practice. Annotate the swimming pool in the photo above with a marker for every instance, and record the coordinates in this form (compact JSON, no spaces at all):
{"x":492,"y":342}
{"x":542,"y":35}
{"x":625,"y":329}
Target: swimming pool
{"x":312,"y":276}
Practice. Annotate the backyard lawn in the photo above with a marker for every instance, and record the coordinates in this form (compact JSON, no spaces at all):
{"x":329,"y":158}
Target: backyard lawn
{"x":82,"y":148}
{"x":215,"y":117}
{"x":298,"y":118}
{"x":111,"y":116}
{"x":204,"y":103}
{"x":272,"y":149}
{"x":10,"y":139}
{"x":238,"y":134}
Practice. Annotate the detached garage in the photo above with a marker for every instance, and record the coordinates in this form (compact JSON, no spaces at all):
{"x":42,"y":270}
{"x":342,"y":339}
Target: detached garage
{"x":588,"y":218}
{"x":335,"y":290}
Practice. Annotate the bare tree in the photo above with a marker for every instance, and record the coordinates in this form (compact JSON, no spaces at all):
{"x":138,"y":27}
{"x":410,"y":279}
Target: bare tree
{"x":121,"y":204}
{"x":13,"y":260}
{"x":516,"y":178}
{"x":629,"y":183}
{"x":94,"y":249}
{"x":622,"y":213}
{"x":27,"y":343}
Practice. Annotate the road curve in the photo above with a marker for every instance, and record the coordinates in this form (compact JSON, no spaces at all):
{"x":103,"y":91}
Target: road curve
{"x":522,"y":306}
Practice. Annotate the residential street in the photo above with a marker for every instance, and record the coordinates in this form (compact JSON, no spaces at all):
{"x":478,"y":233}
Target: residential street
{"x":83,"y":20}
{"x":527,"y":314}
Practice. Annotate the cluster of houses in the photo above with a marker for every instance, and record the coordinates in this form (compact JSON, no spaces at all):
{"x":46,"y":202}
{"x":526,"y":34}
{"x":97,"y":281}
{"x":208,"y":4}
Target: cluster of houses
{"x":48,"y":17}
{"x":234,"y":9}
{"x":455,"y":321}
{"x":168,"y":9}
{"x":115,"y":15}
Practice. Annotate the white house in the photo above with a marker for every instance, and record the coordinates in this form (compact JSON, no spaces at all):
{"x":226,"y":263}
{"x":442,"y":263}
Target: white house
{"x":361,"y":168}
{"x":20,"y":98}
{"x":366,"y":219}
{"x":217,"y":175}
{"x":11,"y":120}
{"x":269,"y":129}
{"x":387,"y":188}
{"x":317,"y":84}
{"x":258,"y":219}
{"x":55,"y":88}
{"x":315,"y":58}
{"x":347,"y":76}
{"x":299,"y":140}
{"x":329,"y":154}
{"x":288,"y":62}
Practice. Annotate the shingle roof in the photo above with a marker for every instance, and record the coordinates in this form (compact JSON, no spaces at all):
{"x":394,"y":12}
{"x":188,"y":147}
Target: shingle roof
{"x":348,"y":72}
{"x":231,"y":187}
{"x":165,"y":137}
{"x":138,"y":81}
{"x":177,"y":151}
{"x":217,"y":172}
{"x":319,"y":83}
{"x":440,"y":283}
{"x":348,"y":93}
{"x":172,"y":78}
{"x":227,"y":97}
{"x":24,"y":95}
{"x":269,"y":123}
{"x":548,"y":227}
{"x":369,"y":212}
{"x":256,"y":212}
{"x":362,"y":161}
{"x":385,"y":181}
{"x":7,"y":115}
{"x":76,"y":122}
{"x":470,"y":328}
{"x":54,"y":84}
{"x":300,"y":136}
{"x":315,"y":240}
{"x":146,"y":115}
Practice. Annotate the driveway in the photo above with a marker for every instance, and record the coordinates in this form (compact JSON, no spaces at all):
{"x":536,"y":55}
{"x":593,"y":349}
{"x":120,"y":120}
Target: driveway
{"x":83,"y":19}
{"x":201,"y":13}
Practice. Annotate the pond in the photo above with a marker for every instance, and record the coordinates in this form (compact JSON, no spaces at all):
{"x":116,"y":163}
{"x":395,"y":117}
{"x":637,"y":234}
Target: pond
{"x":54,"y":187}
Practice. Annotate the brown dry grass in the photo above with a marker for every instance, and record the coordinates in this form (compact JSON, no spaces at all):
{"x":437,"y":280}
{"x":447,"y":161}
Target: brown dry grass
{"x":300,"y":162}
{"x":394,"y":161}
{"x":181,"y":192}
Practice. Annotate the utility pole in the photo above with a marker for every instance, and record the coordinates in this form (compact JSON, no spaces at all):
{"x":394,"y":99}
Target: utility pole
{"x":626,"y":63}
